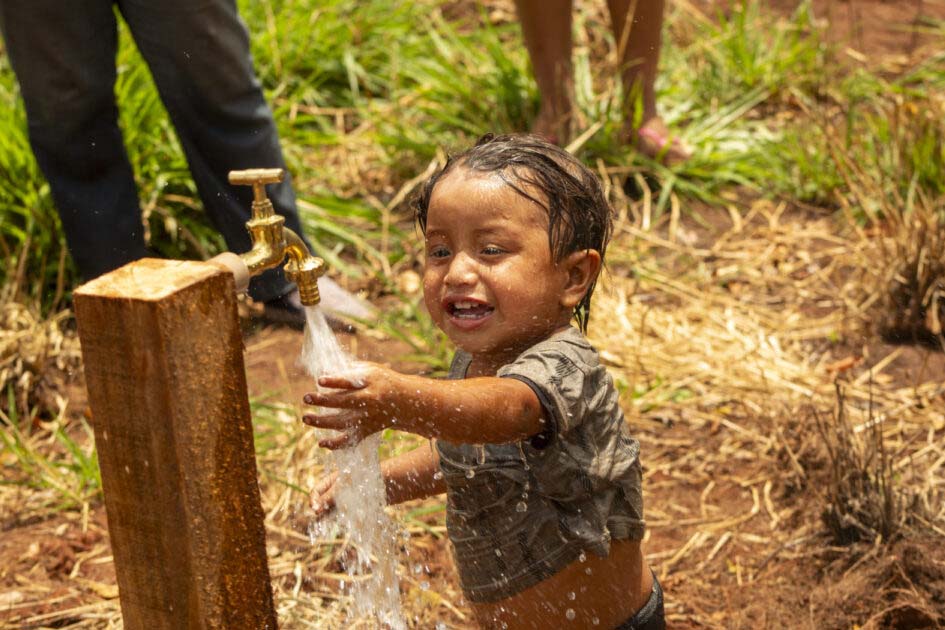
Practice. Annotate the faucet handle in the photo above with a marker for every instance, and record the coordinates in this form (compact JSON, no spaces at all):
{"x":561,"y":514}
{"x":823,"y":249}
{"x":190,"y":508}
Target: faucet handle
{"x":257,"y":175}
{"x":258,"y":178}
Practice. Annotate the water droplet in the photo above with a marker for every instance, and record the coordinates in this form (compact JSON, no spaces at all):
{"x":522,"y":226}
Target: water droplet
{"x":424,"y":585}
{"x":438,"y":475}
{"x":588,"y":571}
{"x":572,"y":595}
{"x":582,"y":557}
{"x":521,"y":506}
{"x":595,"y":621}
{"x":498,"y":553}
{"x":521,"y":452}
{"x":569,"y":613}
{"x":417,"y":568}
{"x":440,"y":625}
{"x":470,"y":473}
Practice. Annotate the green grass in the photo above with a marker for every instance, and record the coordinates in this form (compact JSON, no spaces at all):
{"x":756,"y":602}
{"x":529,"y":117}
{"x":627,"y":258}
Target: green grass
{"x":762,"y":101}
{"x":62,"y":468}
{"x":891,"y":133}
{"x":416,"y":83}
{"x":32,"y":247}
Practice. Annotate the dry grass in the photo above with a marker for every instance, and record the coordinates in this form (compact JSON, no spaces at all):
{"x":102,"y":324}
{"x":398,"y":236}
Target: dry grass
{"x":910,"y":272}
{"x":727,"y":343}
{"x":900,"y":218}
{"x":727,"y":346}
{"x":35,"y":354}
{"x":724,"y":345}
{"x":727,"y":334}
{"x":865,"y":499}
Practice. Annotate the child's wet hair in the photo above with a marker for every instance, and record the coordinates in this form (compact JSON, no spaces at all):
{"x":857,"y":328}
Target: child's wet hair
{"x":579,"y":217}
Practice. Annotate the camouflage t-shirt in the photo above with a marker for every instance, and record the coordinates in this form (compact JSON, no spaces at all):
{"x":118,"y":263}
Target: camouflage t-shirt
{"x":518,"y":513}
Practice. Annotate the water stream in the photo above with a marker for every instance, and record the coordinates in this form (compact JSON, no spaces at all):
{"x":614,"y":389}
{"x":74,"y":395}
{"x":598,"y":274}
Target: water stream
{"x":359,"y":495}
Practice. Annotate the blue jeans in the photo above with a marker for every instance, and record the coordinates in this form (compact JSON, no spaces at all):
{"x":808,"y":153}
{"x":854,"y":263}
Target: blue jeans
{"x":63,"y":54}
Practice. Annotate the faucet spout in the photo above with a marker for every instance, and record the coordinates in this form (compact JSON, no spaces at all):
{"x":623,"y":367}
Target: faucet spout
{"x":272,"y":241}
{"x":303,"y":268}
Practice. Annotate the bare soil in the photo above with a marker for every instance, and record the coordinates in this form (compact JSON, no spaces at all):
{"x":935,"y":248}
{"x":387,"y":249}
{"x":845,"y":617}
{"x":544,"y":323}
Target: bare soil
{"x":884,"y":32}
{"x":880,"y":28}
{"x":770,"y":569}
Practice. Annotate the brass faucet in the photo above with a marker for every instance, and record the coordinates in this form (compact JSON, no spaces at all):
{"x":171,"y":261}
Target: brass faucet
{"x":272,"y":241}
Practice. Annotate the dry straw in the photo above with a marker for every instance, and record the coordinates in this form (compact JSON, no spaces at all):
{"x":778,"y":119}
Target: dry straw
{"x":723,"y":340}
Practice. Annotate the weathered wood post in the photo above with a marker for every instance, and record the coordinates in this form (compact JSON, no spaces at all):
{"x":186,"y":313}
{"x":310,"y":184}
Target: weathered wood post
{"x":163,"y":359}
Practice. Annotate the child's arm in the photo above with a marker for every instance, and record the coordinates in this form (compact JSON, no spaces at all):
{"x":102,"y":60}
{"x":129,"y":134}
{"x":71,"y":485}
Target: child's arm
{"x":408,"y":476}
{"x":477,"y":410}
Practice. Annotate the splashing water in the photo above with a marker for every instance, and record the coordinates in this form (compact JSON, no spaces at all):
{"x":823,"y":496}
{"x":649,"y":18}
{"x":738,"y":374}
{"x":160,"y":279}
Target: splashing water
{"x":359,"y":495}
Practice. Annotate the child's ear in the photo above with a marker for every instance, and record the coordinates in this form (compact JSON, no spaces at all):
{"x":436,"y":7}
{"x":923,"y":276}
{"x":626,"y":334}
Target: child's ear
{"x":582,"y":268}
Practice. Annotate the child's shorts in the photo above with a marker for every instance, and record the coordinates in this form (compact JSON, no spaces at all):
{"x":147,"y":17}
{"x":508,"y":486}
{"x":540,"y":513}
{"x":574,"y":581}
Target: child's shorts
{"x":650,"y":617}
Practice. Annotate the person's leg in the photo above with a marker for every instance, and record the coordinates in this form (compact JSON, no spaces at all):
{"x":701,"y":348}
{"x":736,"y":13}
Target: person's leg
{"x":63,"y":55}
{"x":546,"y":28}
{"x":638,"y":27}
{"x":199,"y":55}
{"x":638,"y":31}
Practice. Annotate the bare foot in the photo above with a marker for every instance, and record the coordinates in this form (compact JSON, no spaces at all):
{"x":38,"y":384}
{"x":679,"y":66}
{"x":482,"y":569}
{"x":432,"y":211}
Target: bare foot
{"x":654,"y":140}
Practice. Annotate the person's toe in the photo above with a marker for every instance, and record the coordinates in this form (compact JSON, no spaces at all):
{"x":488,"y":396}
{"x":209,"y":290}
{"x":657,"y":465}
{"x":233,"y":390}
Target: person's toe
{"x":655,"y":141}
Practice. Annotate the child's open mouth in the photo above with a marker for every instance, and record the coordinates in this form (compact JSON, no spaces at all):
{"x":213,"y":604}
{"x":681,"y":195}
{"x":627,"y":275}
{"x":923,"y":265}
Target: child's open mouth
{"x":468,"y":313}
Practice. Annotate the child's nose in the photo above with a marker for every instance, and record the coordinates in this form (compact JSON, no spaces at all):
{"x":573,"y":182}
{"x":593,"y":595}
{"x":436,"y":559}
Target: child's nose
{"x":461,"y":270}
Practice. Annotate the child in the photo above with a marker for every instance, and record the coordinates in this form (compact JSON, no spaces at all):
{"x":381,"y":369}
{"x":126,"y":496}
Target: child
{"x":544,"y":506}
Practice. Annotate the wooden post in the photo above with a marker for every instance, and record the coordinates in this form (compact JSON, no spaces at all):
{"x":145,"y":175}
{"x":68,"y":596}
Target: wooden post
{"x":163,"y":359}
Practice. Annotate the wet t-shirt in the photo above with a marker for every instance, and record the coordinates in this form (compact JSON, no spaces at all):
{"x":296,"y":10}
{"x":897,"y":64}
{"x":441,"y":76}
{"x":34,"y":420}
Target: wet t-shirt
{"x":518,"y":513}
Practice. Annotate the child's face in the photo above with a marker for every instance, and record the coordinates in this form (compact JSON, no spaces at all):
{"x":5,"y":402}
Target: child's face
{"x":489,"y":280}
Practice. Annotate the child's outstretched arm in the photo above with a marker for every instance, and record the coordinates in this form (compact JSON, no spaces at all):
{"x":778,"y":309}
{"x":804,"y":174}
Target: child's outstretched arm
{"x":408,"y":476}
{"x":476,"y":410}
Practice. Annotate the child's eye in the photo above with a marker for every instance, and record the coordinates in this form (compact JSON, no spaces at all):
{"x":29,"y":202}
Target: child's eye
{"x":492,"y":250}
{"x":438,"y":251}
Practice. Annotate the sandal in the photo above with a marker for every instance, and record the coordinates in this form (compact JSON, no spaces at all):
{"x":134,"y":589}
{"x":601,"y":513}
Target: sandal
{"x":655,"y":141}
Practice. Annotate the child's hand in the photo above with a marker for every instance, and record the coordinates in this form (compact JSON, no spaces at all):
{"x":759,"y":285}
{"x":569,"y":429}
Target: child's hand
{"x":322,"y":496}
{"x":366,"y":399}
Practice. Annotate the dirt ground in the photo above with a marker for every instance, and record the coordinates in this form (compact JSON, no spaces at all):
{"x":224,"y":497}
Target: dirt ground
{"x":738,"y":579}
{"x":890,"y":32}
{"x":891,"y":28}
{"x":733,"y":544}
